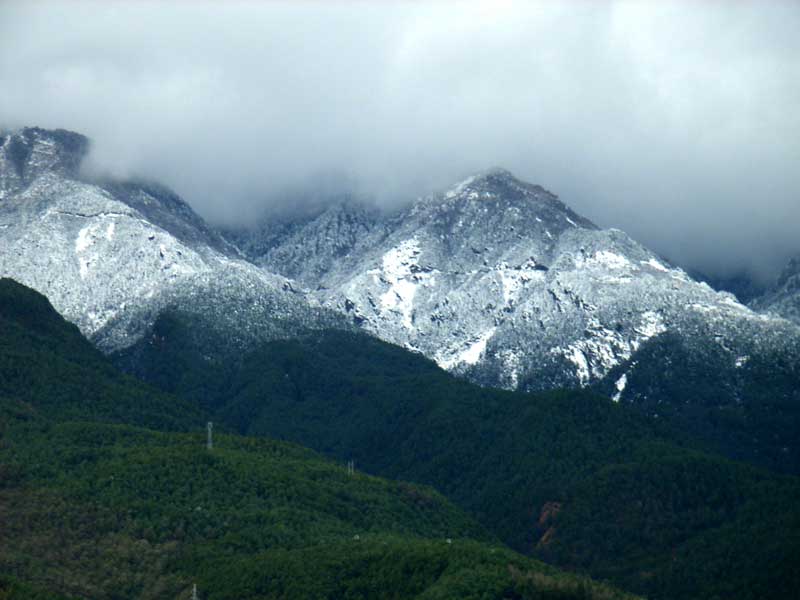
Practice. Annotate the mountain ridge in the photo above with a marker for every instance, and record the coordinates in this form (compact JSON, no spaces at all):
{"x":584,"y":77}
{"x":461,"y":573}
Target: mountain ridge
{"x":508,"y":254}
{"x":112,"y":255}
{"x":496,"y":280}
{"x":570,"y":303}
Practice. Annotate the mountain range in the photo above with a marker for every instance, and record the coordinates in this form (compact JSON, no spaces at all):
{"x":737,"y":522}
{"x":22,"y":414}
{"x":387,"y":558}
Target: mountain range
{"x":500,"y":281}
{"x":481,"y":297}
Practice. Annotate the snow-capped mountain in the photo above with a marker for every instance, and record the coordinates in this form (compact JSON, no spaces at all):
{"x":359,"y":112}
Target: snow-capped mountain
{"x":495,"y":279}
{"x":111,"y":256}
{"x":499,"y":280}
{"x":784,"y":297}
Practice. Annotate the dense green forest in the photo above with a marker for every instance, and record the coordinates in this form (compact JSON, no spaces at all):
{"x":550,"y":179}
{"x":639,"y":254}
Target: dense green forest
{"x":49,"y":369}
{"x":13,"y":589}
{"x":568,"y":476}
{"x":107,"y":490}
{"x":750,"y":412}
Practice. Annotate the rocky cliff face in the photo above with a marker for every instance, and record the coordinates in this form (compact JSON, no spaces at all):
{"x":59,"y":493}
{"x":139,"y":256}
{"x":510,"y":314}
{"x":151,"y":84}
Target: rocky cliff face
{"x":111,"y":256}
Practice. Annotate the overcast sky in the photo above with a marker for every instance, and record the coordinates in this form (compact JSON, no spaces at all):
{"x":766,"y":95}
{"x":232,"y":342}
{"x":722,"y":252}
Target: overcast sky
{"x":678,"y":122}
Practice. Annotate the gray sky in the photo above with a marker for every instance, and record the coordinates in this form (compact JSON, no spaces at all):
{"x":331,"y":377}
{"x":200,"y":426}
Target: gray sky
{"x":678,"y":122}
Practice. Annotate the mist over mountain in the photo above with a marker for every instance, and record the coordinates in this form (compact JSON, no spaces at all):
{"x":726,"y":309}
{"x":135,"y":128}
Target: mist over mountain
{"x":496,"y":280}
{"x":675,"y":123}
{"x":539,"y":256}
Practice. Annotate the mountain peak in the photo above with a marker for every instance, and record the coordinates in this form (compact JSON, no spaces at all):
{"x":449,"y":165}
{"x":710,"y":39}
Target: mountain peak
{"x":496,"y":182}
{"x":498,"y":191}
{"x":498,"y":173}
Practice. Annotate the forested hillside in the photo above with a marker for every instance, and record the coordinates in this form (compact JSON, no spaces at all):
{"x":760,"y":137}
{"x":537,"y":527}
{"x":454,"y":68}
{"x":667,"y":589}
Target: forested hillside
{"x":568,"y":476}
{"x":96,"y":505}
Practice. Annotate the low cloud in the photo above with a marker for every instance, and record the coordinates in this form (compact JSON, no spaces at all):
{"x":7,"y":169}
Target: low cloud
{"x":675,"y":121}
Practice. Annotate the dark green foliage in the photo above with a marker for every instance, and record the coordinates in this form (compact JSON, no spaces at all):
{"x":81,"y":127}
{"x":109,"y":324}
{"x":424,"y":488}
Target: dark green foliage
{"x":632,"y":493}
{"x":750,"y":412}
{"x":94,"y":507}
{"x":12,"y":589}
{"x":112,"y":511}
{"x":425,"y":569}
{"x":48,"y":368}
{"x":687,"y":525}
{"x":239,"y":486}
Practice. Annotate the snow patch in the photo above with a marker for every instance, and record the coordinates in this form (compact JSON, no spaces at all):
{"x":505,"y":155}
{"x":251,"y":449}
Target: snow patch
{"x":602,"y":348}
{"x":650,"y":325}
{"x":653,"y":263}
{"x":575,"y":355}
{"x":611,"y":260}
{"x":83,"y":267}
{"x":514,"y":279}
{"x":459,"y":188}
{"x":400,"y":273}
{"x":84,"y":240}
{"x":512,"y":366}
{"x":475,"y":350}
{"x":470,"y":355}
{"x":620,"y":385}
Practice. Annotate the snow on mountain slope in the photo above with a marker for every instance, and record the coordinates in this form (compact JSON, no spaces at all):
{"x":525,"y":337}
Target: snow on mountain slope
{"x":111,"y":256}
{"x":499,"y":280}
{"x":495,"y":279}
{"x":307,"y":247}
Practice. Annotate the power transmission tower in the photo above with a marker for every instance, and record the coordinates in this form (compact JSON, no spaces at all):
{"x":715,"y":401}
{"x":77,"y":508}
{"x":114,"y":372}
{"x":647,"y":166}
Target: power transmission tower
{"x":194,"y":586}
{"x":351,"y":467}
{"x":210,"y":437}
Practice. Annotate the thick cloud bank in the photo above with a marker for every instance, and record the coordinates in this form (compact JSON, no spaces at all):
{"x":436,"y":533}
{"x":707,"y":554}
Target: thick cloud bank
{"x":676,"y":121}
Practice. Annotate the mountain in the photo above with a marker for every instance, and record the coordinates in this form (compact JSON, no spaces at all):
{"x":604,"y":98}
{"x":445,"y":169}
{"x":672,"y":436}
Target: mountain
{"x":311,"y":242}
{"x":48,"y":369}
{"x":95,"y":505}
{"x":147,"y":512}
{"x":499,"y":281}
{"x":784,"y":297}
{"x":496,"y":280}
{"x":568,"y":476}
{"x":111,"y":255}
